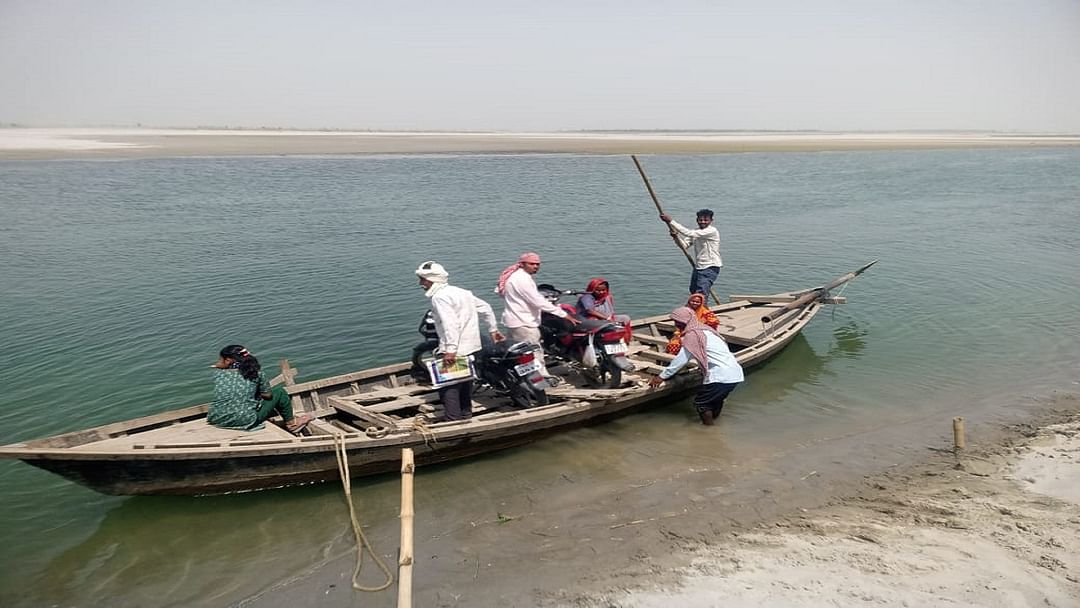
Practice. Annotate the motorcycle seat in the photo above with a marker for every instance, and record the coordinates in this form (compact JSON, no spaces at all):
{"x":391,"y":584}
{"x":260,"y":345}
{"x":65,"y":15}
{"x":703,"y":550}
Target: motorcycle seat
{"x":592,"y":325}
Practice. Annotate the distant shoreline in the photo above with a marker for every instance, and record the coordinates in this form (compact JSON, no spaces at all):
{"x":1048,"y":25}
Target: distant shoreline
{"x":119,"y":143}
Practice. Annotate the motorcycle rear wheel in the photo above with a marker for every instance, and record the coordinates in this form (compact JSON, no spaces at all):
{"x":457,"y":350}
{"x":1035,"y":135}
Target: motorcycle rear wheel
{"x":613,"y":373}
{"x":524,"y":396}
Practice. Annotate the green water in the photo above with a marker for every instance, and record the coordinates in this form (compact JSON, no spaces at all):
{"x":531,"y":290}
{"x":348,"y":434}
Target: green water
{"x":121,"y":279}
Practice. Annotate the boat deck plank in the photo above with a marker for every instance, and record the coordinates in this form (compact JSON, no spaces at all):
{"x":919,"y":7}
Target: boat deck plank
{"x":192,"y":432}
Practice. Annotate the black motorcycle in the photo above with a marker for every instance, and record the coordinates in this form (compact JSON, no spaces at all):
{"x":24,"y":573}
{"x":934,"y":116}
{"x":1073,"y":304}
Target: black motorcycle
{"x":597,"y":345}
{"x":511,"y":370}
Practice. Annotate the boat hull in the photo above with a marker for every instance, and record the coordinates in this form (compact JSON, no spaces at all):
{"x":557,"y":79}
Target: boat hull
{"x":216,"y":473}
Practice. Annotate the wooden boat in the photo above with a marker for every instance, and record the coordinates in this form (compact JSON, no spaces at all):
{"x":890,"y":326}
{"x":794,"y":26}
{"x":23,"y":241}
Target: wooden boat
{"x":376,"y":412}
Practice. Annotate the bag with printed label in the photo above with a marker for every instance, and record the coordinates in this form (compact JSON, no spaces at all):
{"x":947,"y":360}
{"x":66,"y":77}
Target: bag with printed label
{"x":463,"y":370}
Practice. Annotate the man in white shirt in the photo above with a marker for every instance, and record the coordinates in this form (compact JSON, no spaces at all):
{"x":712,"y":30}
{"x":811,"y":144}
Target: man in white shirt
{"x":457,"y":315}
{"x":706,"y":244}
{"x":720,"y":370}
{"x":525,"y":304}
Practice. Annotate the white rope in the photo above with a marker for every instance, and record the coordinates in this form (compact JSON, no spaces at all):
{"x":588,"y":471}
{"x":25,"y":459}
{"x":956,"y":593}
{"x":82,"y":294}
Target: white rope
{"x":420,"y":425}
{"x":361,"y":540}
{"x":842,"y":288}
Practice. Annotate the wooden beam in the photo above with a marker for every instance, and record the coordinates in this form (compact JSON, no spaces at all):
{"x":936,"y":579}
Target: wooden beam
{"x":363,"y":413}
{"x":287,"y":375}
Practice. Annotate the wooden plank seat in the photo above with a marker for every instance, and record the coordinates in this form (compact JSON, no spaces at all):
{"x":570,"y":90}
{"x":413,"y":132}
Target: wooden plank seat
{"x":392,"y":404}
{"x":322,"y":427}
{"x":387,"y":394}
{"x":655,"y":355}
{"x":653,"y":340}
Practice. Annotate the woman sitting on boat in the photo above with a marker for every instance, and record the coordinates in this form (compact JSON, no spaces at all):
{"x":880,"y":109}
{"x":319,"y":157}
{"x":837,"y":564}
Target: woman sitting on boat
{"x":598,"y":304}
{"x":696,"y":303}
{"x":243,"y":399}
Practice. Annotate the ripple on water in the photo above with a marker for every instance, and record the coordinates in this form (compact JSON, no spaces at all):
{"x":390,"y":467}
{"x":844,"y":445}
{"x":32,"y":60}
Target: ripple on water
{"x":123,"y":279}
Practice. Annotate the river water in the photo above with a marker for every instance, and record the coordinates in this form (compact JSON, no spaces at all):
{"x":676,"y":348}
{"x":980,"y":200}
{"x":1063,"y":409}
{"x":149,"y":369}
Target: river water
{"x":121,"y":280}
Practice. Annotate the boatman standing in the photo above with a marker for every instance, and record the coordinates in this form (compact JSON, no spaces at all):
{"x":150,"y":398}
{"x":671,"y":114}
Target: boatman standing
{"x":706,"y":244}
{"x":721,"y":371}
{"x":457,"y":315}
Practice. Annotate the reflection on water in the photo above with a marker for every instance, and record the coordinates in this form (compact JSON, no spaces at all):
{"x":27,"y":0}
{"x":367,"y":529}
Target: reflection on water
{"x":797,"y":365}
{"x":179,"y":551}
{"x":850,"y":341}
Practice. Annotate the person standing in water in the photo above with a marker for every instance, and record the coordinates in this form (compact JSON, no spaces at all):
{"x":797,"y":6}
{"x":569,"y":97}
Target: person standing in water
{"x":721,"y":373}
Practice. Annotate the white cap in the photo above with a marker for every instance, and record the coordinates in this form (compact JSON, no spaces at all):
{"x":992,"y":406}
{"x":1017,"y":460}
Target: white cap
{"x":432,"y":271}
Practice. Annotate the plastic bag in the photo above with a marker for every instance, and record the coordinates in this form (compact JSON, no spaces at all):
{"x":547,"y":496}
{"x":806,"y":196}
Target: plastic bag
{"x":588,"y":358}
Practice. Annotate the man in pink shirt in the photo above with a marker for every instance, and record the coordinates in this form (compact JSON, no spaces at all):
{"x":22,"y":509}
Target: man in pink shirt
{"x":525,"y":304}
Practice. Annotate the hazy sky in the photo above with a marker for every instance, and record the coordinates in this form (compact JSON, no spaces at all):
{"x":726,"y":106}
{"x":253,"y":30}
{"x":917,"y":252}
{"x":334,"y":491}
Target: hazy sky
{"x":544,"y":64}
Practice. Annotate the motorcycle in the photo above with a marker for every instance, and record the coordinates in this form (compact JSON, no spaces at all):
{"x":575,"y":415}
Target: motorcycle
{"x":511,"y":370}
{"x":598,"y":346}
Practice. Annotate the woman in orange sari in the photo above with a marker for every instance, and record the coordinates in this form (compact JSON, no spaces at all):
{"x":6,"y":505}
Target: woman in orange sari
{"x":696,"y":303}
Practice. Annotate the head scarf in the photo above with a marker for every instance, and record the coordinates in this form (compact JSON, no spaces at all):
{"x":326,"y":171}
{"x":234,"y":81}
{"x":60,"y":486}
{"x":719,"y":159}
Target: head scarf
{"x":694,"y":335}
{"x":528,"y":257}
{"x":434,"y":272}
{"x":597,"y":282}
{"x":693,"y":296}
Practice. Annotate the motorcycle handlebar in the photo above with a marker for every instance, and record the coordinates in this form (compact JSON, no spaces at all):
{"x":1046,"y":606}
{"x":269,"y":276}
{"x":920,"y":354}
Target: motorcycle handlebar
{"x":544,"y":287}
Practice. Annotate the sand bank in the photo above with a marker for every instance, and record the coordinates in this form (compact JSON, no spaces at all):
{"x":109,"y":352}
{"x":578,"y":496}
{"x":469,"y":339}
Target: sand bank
{"x":19,"y":143}
{"x":997,"y":526}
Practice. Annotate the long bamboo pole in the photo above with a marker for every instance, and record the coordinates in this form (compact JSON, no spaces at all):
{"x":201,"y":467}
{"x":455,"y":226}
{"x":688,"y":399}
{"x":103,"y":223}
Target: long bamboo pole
{"x":671,"y":231}
{"x":405,"y":553}
{"x":814,"y":294}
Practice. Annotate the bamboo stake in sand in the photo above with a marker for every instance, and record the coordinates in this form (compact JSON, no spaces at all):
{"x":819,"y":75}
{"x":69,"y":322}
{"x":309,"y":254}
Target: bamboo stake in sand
{"x":958,"y":433}
{"x":405,"y":553}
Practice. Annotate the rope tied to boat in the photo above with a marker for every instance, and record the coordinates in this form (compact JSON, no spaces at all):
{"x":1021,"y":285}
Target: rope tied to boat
{"x":420,"y":425}
{"x":842,"y":288}
{"x":361,"y":540}
{"x":376,"y":432}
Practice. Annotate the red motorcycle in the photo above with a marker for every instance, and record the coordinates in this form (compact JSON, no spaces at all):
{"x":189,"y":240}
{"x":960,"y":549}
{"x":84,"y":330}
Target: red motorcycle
{"x":598,"y":346}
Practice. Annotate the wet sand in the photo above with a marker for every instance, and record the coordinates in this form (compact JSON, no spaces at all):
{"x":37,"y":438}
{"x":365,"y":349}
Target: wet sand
{"x":997,"y":526}
{"x":26,"y":144}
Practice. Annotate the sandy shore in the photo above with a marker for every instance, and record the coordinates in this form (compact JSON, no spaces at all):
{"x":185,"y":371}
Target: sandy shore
{"x":997,"y":526}
{"x":26,"y":144}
